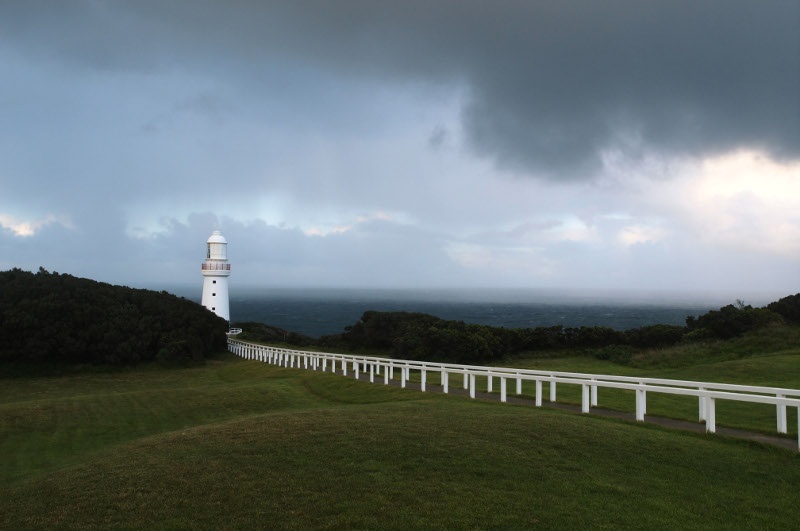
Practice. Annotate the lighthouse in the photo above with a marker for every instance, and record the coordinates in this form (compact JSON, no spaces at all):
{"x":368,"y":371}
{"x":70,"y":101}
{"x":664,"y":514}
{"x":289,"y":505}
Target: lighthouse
{"x":216,"y":270}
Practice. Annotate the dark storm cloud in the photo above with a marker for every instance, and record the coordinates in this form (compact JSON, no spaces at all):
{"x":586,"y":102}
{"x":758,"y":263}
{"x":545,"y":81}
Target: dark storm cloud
{"x":551,"y":85}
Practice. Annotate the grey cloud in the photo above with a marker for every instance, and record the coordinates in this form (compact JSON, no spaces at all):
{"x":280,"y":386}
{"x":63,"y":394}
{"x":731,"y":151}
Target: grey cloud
{"x":550,"y":83}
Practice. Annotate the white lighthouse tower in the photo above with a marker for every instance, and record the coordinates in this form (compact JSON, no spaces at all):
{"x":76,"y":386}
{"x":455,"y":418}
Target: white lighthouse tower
{"x":215,"y":275}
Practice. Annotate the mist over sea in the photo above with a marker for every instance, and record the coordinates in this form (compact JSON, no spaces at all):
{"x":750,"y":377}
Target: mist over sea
{"x":317,"y":312}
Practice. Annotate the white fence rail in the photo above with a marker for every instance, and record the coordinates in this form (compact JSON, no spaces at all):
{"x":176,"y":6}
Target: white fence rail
{"x":707,"y":393}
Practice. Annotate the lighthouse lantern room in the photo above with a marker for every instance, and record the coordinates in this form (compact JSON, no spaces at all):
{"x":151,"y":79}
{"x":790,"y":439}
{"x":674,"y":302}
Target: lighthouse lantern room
{"x":216,"y":270}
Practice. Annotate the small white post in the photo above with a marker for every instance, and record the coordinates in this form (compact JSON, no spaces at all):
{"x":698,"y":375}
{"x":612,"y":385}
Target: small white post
{"x":781,"y":413}
{"x":585,"y":397}
{"x":640,"y":397}
{"x":489,"y":382}
{"x":644,"y":400}
{"x":519,"y":385}
{"x":402,"y":377}
{"x":344,"y":367}
{"x":325,"y":365}
{"x":355,"y":368}
{"x":711,"y":415}
{"x":371,"y":373}
{"x":423,"y":375}
{"x":385,"y":376}
{"x":701,"y":406}
{"x":538,"y":393}
{"x":502,"y":389}
{"x":391,"y":370}
{"x":445,"y":381}
{"x":552,"y":390}
{"x":594,"y":396}
{"x":472,"y":386}
{"x":466,"y":380}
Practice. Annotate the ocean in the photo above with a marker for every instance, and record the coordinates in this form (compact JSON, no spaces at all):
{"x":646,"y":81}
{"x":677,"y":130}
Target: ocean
{"x":317,"y":312}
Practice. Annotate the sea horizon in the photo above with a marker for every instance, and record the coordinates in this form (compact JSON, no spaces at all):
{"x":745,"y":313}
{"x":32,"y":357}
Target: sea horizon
{"x":318,"y":311}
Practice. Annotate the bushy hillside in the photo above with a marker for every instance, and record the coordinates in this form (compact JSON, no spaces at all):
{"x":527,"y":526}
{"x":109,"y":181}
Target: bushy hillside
{"x":61,"y":318}
{"x":426,"y":337}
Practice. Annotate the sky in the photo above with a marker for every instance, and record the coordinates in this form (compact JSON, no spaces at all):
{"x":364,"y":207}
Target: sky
{"x":623,"y":144}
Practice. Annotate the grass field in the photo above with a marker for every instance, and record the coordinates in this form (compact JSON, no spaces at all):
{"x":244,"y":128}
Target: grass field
{"x":241,"y":444}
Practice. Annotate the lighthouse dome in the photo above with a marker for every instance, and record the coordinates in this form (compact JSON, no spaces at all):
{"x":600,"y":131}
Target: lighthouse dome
{"x":216,"y":237}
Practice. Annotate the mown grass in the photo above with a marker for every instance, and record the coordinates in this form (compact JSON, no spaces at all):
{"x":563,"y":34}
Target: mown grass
{"x":241,"y":444}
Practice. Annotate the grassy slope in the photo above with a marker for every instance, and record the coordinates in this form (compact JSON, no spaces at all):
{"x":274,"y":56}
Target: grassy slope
{"x":769,"y":357}
{"x":243,"y":444}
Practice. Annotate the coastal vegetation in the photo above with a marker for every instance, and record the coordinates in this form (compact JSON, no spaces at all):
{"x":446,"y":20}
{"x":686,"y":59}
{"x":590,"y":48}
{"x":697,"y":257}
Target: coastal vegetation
{"x":52,"y":318}
{"x":419,"y":336}
{"x":58,"y":318}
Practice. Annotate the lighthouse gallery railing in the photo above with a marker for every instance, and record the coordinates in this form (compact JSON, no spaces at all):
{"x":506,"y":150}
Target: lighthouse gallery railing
{"x":706,"y":392}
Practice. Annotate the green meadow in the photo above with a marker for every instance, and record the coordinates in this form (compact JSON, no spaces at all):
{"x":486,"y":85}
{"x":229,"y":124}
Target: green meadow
{"x":242,"y":444}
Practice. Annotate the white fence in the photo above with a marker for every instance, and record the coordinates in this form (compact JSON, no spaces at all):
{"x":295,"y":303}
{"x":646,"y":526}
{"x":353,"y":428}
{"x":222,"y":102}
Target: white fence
{"x":707,"y":393}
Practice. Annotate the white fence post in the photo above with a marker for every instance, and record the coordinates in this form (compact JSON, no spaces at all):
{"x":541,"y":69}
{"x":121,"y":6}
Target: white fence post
{"x":640,"y":398}
{"x":781,"y":415}
{"x":594,"y":395}
{"x":519,"y":385}
{"x":445,"y":381}
{"x":502,"y":389}
{"x":403,"y":377}
{"x":472,"y":386}
{"x":552,"y":390}
{"x":585,"y":394}
{"x":701,"y":406}
{"x":371,"y":373}
{"x":489,"y":383}
{"x":644,"y":400}
{"x":711,"y":415}
{"x":423,"y":376}
{"x":538,"y":393}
